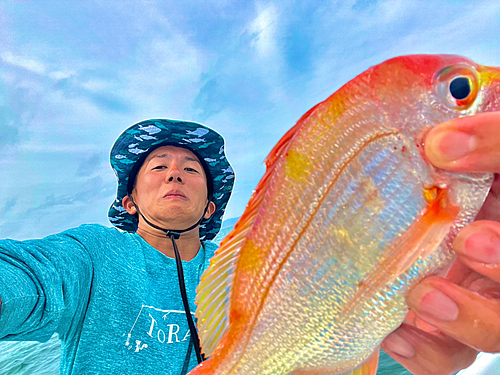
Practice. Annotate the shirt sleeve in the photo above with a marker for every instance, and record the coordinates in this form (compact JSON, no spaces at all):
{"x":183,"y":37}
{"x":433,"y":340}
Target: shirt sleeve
{"x":44,"y":286}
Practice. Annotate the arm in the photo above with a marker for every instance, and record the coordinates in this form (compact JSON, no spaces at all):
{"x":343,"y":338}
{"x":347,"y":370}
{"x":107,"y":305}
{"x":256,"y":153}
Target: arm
{"x":454,"y":317}
{"x":44,"y":286}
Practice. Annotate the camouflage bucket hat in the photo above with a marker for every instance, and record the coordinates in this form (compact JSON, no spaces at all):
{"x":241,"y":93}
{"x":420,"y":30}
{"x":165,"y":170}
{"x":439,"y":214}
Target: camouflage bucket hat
{"x":141,"y":138}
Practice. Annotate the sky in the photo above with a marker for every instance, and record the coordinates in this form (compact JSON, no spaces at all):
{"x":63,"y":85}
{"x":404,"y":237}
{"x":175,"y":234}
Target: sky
{"x":75,"y":74}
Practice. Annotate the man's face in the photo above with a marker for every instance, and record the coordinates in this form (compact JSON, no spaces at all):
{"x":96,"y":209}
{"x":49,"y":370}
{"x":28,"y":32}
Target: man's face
{"x":171,"y":188}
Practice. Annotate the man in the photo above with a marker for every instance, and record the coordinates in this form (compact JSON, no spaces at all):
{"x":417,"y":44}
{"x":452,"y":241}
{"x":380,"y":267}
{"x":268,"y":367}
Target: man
{"x":113,"y":297}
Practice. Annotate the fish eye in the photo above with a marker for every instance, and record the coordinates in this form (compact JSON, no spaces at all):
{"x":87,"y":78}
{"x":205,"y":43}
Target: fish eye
{"x":460,"y":88}
{"x":457,"y":86}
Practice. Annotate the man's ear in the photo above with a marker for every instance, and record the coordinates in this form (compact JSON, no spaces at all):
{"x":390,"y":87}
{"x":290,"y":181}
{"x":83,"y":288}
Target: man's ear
{"x":128,"y":205}
{"x":210,"y":210}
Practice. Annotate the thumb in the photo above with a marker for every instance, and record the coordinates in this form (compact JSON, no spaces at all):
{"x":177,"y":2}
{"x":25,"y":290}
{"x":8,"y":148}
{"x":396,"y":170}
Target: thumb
{"x":468,"y":144}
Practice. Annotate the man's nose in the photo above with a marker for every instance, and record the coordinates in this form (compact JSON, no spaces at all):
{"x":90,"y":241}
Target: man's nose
{"x":178,"y":178}
{"x":175,"y":174}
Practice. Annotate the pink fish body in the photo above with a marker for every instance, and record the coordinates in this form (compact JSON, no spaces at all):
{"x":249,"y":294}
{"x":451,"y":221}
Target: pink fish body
{"x":348,"y":216}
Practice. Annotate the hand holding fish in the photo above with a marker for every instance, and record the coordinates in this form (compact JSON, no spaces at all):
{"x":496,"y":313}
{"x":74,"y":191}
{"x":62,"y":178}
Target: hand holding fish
{"x":464,"y":307}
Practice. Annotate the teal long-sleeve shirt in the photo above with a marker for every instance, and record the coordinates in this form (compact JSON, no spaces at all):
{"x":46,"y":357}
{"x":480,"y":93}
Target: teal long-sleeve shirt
{"x":113,"y":299}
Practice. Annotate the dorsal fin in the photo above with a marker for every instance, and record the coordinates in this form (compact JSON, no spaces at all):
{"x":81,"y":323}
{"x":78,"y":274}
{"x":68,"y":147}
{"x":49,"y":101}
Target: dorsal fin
{"x":214,"y":291}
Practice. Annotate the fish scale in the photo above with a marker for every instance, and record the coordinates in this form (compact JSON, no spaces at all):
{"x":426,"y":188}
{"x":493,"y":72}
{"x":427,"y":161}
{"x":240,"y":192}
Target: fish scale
{"x":348,"y":216}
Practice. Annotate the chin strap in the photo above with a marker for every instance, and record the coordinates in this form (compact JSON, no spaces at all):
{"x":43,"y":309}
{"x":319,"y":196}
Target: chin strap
{"x":175,"y":235}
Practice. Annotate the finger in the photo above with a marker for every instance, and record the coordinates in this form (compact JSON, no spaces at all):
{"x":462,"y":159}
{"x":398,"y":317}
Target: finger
{"x":465,"y":315}
{"x":415,"y":321}
{"x":466,"y":144}
{"x":478,"y":247}
{"x":491,"y":207}
{"x":426,"y":354}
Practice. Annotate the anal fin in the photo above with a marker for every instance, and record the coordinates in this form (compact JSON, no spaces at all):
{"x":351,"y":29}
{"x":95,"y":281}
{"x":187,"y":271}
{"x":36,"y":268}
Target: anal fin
{"x":369,"y":367}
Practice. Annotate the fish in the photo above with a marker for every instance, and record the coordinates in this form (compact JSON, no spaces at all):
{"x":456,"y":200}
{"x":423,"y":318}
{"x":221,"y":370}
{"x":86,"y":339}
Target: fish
{"x":347,"y":217}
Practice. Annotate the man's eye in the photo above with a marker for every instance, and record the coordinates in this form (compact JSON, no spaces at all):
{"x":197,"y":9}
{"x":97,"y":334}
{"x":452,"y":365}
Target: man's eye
{"x":191,"y":170}
{"x":160,"y":167}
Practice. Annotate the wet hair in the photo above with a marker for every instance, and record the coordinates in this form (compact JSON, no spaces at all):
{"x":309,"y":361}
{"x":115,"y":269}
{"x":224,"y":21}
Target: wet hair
{"x":132,"y":178}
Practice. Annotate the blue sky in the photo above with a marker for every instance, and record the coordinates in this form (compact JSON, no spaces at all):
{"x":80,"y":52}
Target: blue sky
{"x":74,"y":75}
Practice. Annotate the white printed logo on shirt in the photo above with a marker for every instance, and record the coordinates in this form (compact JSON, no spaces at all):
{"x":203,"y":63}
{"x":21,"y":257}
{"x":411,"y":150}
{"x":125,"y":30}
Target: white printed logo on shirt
{"x":159,"y":326}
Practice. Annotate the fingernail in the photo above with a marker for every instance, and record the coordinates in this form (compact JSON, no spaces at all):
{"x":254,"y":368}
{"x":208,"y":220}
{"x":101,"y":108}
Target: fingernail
{"x":428,"y":301}
{"x":398,"y":345}
{"x":483,"y":247}
{"x":450,"y":146}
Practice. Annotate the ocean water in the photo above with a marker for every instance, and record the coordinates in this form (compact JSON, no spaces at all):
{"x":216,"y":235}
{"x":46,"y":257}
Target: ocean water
{"x":34,"y":358}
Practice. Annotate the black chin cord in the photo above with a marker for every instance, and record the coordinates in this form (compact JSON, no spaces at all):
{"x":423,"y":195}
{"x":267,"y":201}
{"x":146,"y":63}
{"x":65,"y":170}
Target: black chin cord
{"x":180,"y":273}
{"x":175,"y":235}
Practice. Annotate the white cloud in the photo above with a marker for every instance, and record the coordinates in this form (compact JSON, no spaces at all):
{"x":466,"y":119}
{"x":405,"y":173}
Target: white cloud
{"x":163,"y":81}
{"x":34,"y":146}
{"x":23,"y":62}
{"x":268,"y":62}
{"x":58,"y":75}
{"x":390,"y":12}
{"x":265,"y":29}
{"x":175,"y":56}
{"x":94,"y":85}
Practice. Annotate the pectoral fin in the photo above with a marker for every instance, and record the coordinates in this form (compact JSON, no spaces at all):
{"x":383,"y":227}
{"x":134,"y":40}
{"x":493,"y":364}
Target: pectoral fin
{"x":420,"y":240}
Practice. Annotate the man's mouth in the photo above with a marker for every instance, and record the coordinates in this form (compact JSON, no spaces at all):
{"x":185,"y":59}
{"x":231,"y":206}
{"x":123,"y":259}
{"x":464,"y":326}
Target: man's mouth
{"x":174,"y":194}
